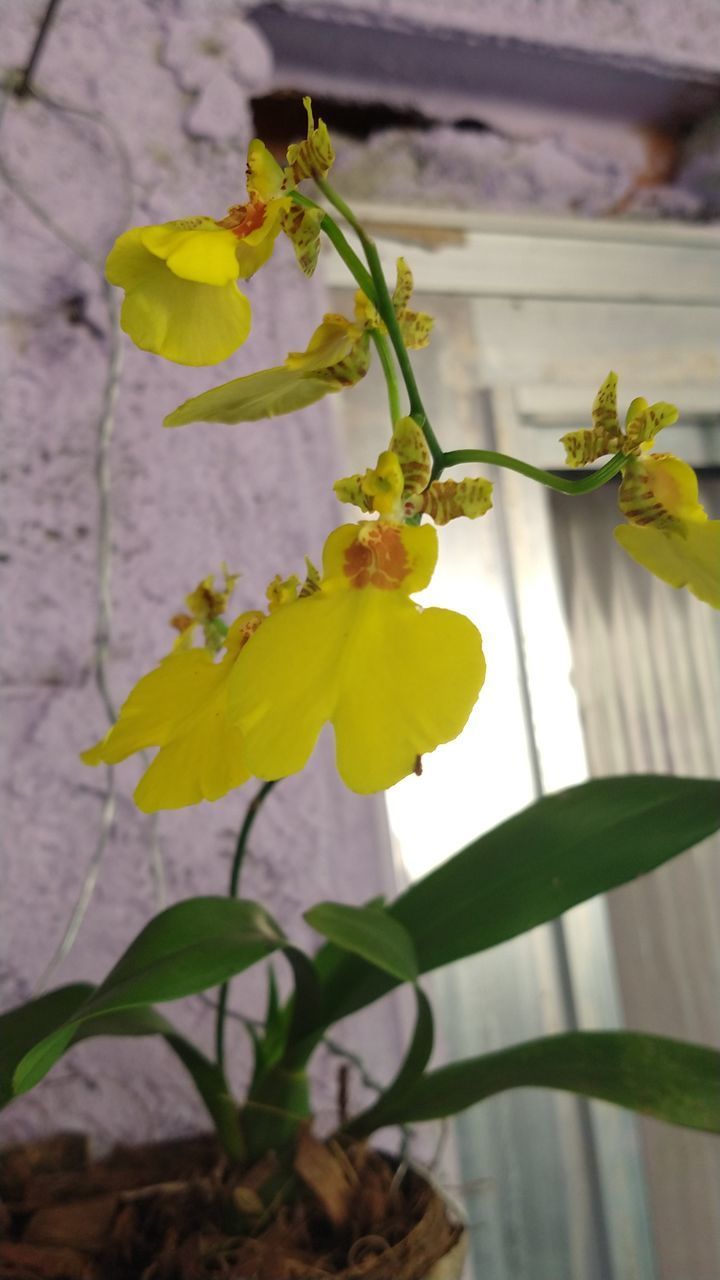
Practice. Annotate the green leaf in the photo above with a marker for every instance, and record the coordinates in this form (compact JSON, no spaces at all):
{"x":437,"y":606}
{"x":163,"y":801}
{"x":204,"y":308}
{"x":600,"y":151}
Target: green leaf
{"x":207,"y":1076}
{"x":277,"y":1104}
{"x":269,"y":1036}
{"x":667,"y":1079}
{"x":369,"y":932}
{"x":142,"y":1021}
{"x":266,"y":394}
{"x":22,"y":1027}
{"x":210,"y":1082}
{"x":186,"y":949}
{"x":416,"y":1060}
{"x":560,"y":851}
{"x":307,"y":997}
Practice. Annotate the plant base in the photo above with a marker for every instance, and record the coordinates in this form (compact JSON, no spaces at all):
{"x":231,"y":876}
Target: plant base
{"x":175,"y":1211}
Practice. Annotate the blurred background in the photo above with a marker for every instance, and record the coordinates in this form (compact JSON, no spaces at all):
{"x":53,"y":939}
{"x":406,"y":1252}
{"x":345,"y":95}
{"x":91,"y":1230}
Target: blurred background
{"x":552,"y":172}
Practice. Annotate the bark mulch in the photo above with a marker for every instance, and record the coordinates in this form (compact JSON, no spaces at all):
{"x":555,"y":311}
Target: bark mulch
{"x":176,"y":1211}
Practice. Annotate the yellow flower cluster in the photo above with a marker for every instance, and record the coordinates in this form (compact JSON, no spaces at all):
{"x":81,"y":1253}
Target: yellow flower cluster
{"x":349,"y":647}
{"x":336,"y":357}
{"x":399,"y":487}
{"x":669,"y":532}
{"x":180,"y":278}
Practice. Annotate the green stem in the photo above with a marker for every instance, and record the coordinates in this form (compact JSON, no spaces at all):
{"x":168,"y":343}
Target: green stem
{"x":337,"y":201}
{"x":385,"y":306}
{"x":585,"y":485}
{"x":358,"y":271}
{"x":374,"y":286}
{"x":387,"y":311}
{"x":252,"y":812}
{"x":383,"y":349}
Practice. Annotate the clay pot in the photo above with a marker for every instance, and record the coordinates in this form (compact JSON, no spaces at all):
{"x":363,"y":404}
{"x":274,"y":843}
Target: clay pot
{"x":450,"y":1267}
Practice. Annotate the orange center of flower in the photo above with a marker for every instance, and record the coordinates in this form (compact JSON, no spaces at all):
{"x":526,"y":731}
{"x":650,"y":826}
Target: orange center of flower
{"x":244,"y":218}
{"x":377,"y":558}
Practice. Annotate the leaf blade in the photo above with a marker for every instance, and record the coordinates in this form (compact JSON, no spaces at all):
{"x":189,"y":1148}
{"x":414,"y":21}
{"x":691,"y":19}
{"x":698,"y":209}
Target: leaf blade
{"x":667,"y":1079}
{"x":411,"y":1070}
{"x":23,"y":1026}
{"x":561,"y":850}
{"x":266,"y":394}
{"x":18,"y":1026}
{"x":209,"y":1080}
{"x":185,"y":949}
{"x":369,"y":933}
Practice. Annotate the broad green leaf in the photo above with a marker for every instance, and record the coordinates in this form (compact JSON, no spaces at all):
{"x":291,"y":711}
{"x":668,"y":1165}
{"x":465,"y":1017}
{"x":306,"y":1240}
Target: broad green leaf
{"x":140,"y":1021}
{"x":369,"y":932}
{"x":186,"y":949}
{"x":266,"y":394}
{"x":191,"y":946}
{"x":667,"y":1079}
{"x":21,"y":1028}
{"x":560,"y":851}
{"x":416,"y":1060}
{"x":24,"y":1026}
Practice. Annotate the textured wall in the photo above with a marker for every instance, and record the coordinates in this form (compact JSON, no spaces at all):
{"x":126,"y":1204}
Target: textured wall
{"x":656,"y":31}
{"x":181,"y":502}
{"x":602,"y":109}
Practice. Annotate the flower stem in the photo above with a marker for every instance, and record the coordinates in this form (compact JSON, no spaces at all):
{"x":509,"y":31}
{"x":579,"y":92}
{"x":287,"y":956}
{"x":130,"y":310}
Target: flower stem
{"x":384,"y":305}
{"x":374,"y":286}
{"x":252,"y":812}
{"x":361,"y":277}
{"x":585,"y":485}
{"x":383,"y":349}
{"x":387,"y":311}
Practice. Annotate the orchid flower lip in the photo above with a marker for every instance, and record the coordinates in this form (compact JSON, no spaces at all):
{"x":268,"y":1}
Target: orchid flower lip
{"x":394,"y":680}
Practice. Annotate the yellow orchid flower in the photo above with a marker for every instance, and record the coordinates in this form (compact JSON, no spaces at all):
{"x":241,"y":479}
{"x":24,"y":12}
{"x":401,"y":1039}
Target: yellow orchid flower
{"x":669,"y":531}
{"x":399,"y":486}
{"x":180,"y":707}
{"x":206,"y":605}
{"x":313,"y":157}
{"x":382,"y":486}
{"x":394,"y":680}
{"x":282,"y":591}
{"x":181,"y":299}
{"x":643,"y":421}
{"x":415,"y":326}
{"x":256,"y":224}
{"x":180,"y":278}
{"x":337,"y":356}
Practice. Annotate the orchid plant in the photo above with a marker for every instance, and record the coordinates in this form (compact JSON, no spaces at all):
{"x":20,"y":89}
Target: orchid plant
{"x":242,"y":698}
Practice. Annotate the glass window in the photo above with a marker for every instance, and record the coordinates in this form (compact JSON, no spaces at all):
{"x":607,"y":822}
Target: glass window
{"x":592,"y":668}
